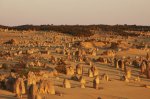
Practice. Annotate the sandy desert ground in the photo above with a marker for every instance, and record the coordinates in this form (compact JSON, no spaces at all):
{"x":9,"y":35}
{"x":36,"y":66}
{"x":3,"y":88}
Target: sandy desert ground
{"x":14,"y":52}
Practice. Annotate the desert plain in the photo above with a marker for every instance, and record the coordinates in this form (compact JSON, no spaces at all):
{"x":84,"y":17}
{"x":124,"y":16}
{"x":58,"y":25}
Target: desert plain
{"x":53,"y":65}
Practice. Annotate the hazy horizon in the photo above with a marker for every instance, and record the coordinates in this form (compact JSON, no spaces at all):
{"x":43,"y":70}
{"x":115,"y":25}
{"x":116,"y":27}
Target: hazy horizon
{"x":72,"y":12}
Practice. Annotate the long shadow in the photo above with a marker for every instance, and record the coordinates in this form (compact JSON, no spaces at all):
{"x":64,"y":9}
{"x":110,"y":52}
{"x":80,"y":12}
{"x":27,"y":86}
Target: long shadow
{"x":7,"y":97}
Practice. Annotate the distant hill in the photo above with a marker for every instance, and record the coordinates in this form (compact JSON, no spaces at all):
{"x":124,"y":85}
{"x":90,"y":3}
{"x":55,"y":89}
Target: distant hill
{"x":82,"y":30}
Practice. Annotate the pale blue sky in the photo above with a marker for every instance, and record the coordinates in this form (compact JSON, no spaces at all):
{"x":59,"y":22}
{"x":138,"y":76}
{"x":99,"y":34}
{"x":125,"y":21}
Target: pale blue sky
{"x":17,"y":12}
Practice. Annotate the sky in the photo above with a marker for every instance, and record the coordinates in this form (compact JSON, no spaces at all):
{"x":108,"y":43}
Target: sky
{"x":72,"y":12}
